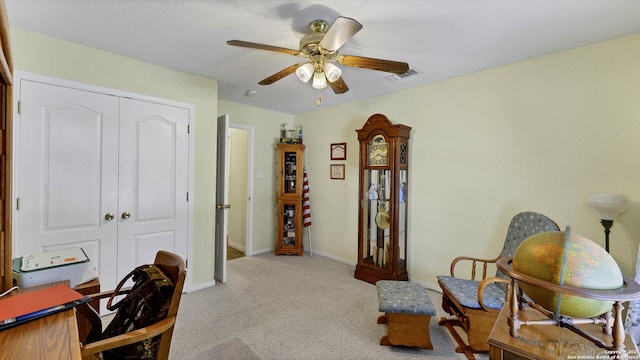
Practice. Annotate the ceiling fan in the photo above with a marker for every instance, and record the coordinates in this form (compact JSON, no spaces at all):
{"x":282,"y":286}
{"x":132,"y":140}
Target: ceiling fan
{"x":321,"y":47}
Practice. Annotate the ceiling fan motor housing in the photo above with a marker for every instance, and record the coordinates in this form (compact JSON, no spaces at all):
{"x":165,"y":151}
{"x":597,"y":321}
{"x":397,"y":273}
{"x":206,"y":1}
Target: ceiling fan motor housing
{"x":309,"y":42}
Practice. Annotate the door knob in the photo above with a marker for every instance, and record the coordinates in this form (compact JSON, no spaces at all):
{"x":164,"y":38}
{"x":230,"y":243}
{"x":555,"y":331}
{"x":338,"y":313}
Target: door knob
{"x":109,"y":216}
{"x":223,"y":206}
{"x":125,"y":215}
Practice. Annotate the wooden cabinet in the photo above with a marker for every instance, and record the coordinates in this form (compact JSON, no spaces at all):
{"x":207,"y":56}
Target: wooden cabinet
{"x":383,"y":210}
{"x":6,"y":141}
{"x":289,"y":194}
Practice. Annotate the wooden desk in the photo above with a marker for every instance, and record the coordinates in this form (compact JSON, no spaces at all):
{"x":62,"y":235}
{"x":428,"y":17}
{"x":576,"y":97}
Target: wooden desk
{"x":51,"y":337}
{"x":543,"y":342}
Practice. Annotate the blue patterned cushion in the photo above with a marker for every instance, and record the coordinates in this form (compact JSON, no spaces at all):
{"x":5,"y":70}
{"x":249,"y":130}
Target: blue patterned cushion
{"x":403,"y":297}
{"x":522,"y":226}
{"x":466,"y":292}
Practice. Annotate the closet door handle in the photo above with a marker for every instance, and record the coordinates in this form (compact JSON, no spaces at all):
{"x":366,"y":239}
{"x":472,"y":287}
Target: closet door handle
{"x":109,"y":216}
{"x":125,"y":215}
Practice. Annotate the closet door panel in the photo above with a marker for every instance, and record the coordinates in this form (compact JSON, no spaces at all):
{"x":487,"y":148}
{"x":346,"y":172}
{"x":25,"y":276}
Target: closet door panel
{"x":67,"y":173}
{"x":154,"y":177}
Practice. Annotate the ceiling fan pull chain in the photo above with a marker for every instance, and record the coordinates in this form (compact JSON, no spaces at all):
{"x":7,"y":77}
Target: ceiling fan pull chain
{"x":319,"y":99}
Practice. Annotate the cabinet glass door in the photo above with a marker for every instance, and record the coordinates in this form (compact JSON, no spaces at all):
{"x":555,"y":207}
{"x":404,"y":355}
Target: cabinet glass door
{"x":289,"y":171}
{"x":288,"y":236}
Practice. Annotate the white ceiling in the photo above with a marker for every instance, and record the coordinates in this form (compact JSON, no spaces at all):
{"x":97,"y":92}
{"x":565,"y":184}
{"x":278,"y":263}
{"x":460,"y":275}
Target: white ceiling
{"x":440,"y":39}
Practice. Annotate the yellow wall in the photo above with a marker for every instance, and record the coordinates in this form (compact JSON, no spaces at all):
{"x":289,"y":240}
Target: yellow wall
{"x":538,"y":135}
{"x":52,"y":57}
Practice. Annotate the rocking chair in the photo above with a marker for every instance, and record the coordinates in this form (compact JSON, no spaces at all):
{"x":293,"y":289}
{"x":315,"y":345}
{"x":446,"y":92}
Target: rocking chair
{"x":475,"y":304}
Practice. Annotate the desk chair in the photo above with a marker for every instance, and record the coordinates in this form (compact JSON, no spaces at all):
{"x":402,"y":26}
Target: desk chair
{"x":173,"y":267}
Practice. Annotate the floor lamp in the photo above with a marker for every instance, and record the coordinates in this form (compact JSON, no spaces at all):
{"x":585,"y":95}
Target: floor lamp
{"x":608,"y":207}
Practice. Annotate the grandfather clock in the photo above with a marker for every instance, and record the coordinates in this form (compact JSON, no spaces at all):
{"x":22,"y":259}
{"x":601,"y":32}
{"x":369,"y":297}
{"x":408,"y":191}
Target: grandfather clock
{"x":382,"y":214}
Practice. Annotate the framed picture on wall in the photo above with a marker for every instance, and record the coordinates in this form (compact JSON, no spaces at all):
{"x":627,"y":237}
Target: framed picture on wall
{"x":337,"y":171}
{"x":339,"y":151}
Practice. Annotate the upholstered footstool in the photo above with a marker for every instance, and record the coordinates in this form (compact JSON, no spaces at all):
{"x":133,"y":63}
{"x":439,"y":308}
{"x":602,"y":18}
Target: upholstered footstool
{"x":407,"y":313}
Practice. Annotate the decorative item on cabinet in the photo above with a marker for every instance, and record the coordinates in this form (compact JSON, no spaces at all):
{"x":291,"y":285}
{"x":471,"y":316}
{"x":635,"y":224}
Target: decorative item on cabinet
{"x":383,"y":210}
{"x":289,"y":196}
{"x":290,"y":136}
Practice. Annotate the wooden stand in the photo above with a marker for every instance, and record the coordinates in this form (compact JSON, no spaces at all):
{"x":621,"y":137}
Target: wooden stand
{"x":547,"y":342}
{"x":614,"y":343}
{"x":406,"y":330}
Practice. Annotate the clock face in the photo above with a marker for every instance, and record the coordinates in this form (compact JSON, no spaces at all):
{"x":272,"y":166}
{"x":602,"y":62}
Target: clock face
{"x":378,"y":151}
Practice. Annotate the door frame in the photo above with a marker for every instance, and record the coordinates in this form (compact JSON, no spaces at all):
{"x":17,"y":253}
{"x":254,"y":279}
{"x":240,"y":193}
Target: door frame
{"x":250,"y":139}
{"x":23,"y":75}
{"x":250,"y":160}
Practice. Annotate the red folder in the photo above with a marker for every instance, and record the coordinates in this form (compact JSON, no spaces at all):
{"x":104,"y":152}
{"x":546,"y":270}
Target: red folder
{"x":54,"y":298}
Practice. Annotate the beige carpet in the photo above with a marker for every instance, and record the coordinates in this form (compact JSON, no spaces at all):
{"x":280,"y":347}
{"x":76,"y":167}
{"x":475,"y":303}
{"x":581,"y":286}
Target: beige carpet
{"x":231,"y":349}
{"x":295,"y":307}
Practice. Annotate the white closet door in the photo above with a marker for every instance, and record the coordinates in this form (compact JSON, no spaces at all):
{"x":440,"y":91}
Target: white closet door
{"x":68,"y":173}
{"x":154,"y":168}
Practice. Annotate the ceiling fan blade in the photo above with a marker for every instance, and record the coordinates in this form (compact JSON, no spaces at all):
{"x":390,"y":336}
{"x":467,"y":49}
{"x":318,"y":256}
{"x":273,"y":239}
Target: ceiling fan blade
{"x":280,"y":74}
{"x":373,"y":64}
{"x":339,"y":33}
{"x":339,"y":86}
{"x":262,"y":47}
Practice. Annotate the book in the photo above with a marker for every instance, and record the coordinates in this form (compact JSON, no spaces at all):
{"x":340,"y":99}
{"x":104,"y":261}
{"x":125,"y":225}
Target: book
{"x":27,"y":306}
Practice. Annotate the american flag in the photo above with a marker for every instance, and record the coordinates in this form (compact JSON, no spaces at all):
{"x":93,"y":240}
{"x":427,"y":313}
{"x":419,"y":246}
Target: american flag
{"x":306,"y":209}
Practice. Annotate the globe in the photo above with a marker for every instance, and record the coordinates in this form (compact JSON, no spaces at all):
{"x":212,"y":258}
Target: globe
{"x":588,"y":266}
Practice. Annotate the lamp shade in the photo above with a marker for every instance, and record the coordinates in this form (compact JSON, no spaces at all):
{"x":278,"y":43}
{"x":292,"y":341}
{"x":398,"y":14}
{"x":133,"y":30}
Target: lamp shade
{"x":608,"y":206}
{"x":319,"y":80}
{"x":305,"y":72}
{"x":333,"y":72}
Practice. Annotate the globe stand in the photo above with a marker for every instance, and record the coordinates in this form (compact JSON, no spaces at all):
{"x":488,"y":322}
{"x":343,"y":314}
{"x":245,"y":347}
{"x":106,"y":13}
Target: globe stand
{"x":612,"y":321}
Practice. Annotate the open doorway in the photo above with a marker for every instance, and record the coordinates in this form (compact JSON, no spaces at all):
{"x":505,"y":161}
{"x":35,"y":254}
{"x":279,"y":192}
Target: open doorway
{"x":242,"y":203}
{"x":240,"y":142}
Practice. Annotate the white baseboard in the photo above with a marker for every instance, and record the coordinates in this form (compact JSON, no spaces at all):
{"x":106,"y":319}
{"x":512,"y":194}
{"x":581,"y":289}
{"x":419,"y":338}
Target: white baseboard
{"x":237,"y":246}
{"x":201,"y":286}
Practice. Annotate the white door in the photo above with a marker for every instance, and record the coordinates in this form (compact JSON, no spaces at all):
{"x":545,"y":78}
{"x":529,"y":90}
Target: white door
{"x":222,"y":200}
{"x":101,"y":172}
{"x":154,"y":167}
{"x":67,"y":173}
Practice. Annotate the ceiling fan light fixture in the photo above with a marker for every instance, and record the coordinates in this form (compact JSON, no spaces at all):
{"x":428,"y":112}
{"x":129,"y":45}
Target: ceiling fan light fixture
{"x":305,"y":72}
{"x":332,"y":72}
{"x":319,"y":80}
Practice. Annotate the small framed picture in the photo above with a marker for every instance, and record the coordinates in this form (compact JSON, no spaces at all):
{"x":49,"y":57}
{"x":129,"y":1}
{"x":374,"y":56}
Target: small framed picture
{"x":337,"y":171}
{"x":339,"y":151}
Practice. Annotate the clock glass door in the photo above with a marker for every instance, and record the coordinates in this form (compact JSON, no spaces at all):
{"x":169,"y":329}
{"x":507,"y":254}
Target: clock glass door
{"x":377,"y":207}
{"x":402,"y":222}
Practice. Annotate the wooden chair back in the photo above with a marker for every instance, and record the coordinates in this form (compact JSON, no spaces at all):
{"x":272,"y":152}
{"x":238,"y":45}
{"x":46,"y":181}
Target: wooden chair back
{"x":174,"y":268}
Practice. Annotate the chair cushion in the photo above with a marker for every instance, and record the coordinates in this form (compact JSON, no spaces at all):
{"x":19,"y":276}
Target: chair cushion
{"x":465,"y":292}
{"x":403,"y":297}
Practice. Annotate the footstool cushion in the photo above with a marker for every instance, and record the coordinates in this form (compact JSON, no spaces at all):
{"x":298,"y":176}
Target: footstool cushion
{"x":403,"y":297}
{"x":407,"y":312}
